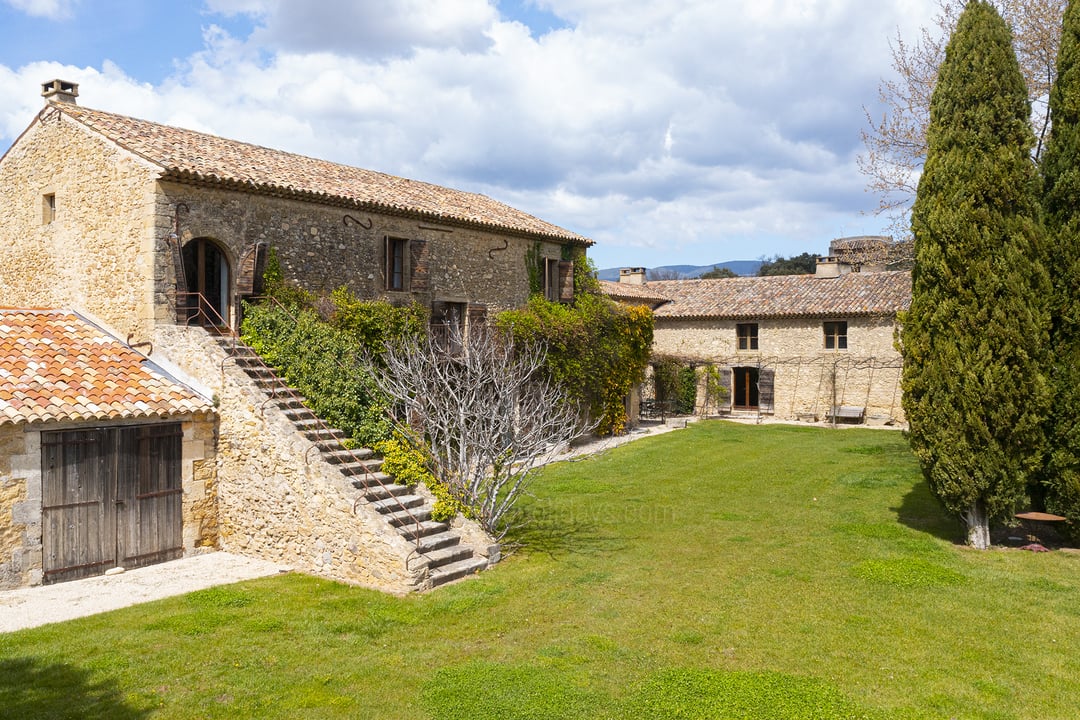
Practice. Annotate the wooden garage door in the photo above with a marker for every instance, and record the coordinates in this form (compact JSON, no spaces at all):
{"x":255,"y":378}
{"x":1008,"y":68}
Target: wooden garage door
{"x":111,"y":497}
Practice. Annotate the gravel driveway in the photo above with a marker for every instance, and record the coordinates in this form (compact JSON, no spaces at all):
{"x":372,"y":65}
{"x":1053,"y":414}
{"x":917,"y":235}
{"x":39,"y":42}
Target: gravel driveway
{"x":33,"y":606}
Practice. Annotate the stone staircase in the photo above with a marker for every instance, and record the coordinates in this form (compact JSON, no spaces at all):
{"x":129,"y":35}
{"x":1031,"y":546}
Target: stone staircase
{"x":440,"y":553}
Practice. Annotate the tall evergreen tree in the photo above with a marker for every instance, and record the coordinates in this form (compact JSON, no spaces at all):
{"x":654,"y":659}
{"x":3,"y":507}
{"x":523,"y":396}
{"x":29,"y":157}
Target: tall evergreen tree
{"x":1061,"y":207}
{"x":973,"y":341}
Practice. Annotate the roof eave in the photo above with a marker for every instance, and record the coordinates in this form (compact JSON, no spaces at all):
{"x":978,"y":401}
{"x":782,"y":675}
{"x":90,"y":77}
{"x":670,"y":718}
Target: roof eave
{"x":199,"y":180}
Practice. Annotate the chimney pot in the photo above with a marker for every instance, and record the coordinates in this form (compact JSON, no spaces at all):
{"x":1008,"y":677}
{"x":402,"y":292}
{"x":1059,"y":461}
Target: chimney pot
{"x":632,"y":276}
{"x":60,"y":91}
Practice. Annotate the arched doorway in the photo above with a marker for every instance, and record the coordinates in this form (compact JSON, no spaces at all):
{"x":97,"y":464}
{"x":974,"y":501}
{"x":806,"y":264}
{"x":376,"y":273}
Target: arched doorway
{"x":208,"y":288}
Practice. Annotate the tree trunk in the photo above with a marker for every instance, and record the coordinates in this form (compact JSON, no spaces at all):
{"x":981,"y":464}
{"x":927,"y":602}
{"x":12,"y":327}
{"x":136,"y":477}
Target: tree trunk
{"x":978,"y":527}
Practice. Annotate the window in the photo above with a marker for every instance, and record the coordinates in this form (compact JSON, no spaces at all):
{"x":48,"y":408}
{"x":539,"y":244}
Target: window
{"x":747,"y":336}
{"x":397,"y":264}
{"x":48,"y":208}
{"x":836,"y":335}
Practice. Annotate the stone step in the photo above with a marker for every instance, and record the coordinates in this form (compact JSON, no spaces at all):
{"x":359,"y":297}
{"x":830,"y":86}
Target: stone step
{"x":438,"y":541}
{"x":427,"y":527}
{"x":408,"y":517}
{"x":291,"y":403}
{"x":260,"y":374}
{"x":328,"y":438}
{"x":397,"y":502}
{"x":456,"y":571}
{"x":247,"y":358}
{"x":360,"y":457}
{"x":297,"y":412}
{"x":447,"y":556}
{"x":383,"y":492}
{"x":366,"y":474}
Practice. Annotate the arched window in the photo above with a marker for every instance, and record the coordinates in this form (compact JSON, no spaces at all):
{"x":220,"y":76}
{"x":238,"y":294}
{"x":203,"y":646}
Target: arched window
{"x":206,"y":284}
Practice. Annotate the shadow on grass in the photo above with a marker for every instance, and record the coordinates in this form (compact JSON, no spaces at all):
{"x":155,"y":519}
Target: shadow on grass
{"x":557,"y":534}
{"x":30,"y":688}
{"x":920,"y":510}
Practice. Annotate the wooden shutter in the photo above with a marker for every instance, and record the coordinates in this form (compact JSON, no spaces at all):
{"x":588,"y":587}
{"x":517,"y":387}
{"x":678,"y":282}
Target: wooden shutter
{"x":725,"y":382}
{"x":418,"y":250}
{"x":252,"y":266}
{"x":566,"y":281}
{"x":766,"y":378}
{"x":477,"y":317}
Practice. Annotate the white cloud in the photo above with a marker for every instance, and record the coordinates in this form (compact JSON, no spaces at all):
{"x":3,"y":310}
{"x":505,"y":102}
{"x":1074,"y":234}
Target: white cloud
{"x":51,"y":9}
{"x":686,"y":131}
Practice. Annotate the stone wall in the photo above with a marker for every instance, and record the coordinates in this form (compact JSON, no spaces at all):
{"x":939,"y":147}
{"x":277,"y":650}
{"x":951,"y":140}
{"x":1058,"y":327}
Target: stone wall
{"x":96,"y":255}
{"x":20,"y":510}
{"x":808,"y":379}
{"x":277,"y":498}
{"x":323,"y":246}
{"x":21,"y":494}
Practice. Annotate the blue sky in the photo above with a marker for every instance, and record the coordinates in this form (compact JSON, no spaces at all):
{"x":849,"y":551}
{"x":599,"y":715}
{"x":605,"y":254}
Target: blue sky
{"x":671,"y":132}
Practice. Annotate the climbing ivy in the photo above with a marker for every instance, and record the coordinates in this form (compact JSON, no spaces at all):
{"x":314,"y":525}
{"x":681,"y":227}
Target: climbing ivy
{"x":535,"y":268}
{"x":597,"y":349}
{"x":319,"y":344}
{"x":675,"y":382}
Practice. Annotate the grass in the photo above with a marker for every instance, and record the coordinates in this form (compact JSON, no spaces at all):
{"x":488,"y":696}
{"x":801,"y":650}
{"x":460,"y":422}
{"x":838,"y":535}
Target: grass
{"x":724,"y":571}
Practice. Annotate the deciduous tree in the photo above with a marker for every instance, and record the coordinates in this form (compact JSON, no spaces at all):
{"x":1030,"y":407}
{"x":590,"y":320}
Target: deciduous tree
{"x":895,"y":141}
{"x":973,"y":341}
{"x":486,"y":413}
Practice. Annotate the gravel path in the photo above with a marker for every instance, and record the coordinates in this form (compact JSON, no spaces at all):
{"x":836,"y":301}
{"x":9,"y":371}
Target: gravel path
{"x":33,"y":606}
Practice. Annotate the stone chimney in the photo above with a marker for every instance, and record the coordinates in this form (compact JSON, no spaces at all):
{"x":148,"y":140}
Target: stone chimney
{"x":829,"y":266}
{"x":60,"y":91}
{"x":632,"y":276}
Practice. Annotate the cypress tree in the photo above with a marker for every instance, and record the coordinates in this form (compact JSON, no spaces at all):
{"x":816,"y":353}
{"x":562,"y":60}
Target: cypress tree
{"x":973,"y":341}
{"x":1061,"y":215}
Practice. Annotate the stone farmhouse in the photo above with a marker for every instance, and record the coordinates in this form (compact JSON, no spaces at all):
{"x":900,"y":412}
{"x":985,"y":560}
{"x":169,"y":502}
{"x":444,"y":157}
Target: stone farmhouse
{"x":126,"y":248}
{"x":795,"y":347}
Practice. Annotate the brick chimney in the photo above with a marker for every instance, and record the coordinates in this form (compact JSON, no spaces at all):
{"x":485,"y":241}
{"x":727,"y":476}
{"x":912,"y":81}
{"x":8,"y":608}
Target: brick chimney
{"x":60,"y":91}
{"x":632,"y":276}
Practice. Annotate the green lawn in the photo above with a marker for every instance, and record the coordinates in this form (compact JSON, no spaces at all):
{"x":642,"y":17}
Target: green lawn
{"x":724,"y":571}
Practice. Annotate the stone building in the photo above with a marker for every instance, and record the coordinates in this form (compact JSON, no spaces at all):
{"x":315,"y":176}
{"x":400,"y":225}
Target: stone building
{"x":107,"y":459}
{"x":158,"y":233}
{"x":790,"y":346}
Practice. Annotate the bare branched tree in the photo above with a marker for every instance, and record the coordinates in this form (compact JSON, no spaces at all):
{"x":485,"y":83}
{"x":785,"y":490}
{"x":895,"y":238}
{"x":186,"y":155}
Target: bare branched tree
{"x":896,"y":142}
{"x":484,"y":410}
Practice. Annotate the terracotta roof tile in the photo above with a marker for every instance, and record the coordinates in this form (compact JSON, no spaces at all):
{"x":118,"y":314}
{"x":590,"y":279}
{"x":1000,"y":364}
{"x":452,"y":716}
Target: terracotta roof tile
{"x":193,"y":156}
{"x":630,"y":292}
{"x":55,"y":365}
{"x":853,"y":294}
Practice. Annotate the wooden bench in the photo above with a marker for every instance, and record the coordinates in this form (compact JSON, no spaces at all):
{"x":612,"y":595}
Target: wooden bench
{"x":848,"y":412}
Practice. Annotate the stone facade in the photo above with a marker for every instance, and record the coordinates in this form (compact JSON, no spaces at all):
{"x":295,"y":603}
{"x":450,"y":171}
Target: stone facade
{"x":324,"y":246}
{"x":21,"y":494}
{"x":807,"y":379}
{"x":96,"y":252}
{"x":793,"y":347}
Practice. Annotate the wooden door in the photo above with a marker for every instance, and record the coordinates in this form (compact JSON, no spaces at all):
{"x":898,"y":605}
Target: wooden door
{"x":111,"y":497}
{"x":77,"y":513}
{"x":149,"y":495}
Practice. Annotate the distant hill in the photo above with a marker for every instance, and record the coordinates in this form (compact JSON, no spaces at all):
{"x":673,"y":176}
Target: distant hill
{"x":739,"y":267}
